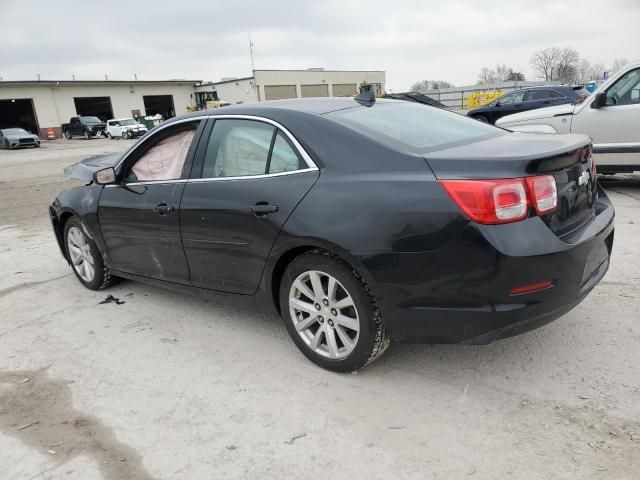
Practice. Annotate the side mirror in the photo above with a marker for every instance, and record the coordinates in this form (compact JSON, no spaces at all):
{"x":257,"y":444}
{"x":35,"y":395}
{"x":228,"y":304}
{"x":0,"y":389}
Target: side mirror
{"x":106,"y":176}
{"x":496,"y":104}
{"x":600,"y":100}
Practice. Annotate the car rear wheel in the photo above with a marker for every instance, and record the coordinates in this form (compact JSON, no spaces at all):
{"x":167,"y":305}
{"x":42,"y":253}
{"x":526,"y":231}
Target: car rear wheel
{"x":109,"y":136}
{"x":85,"y":258}
{"x":330,"y":313}
{"x":67,"y":134}
{"x":85,"y":135}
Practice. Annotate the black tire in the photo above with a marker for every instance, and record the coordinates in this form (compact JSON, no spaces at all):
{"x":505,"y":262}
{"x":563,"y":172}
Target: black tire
{"x":102,"y":277}
{"x":372,"y":340}
{"x":85,"y":135}
{"x":67,"y":135}
{"x":37,"y":145}
{"x":481,"y":118}
{"x":7,"y":145}
{"x":109,"y":136}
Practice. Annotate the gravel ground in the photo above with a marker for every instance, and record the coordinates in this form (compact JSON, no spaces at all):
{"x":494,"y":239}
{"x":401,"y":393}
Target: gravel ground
{"x":166,"y":386}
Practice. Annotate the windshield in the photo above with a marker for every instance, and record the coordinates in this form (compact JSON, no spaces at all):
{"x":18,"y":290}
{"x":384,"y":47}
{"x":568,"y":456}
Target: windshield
{"x":90,"y":120}
{"x":412,"y":126}
{"x":127,"y":121}
{"x":14,"y":131}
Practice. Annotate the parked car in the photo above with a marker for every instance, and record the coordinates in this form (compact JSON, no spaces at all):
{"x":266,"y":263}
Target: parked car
{"x":528,"y":98}
{"x":125,"y":128}
{"x":610,"y":116}
{"x":360,"y":221}
{"x":18,"y":138}
{"x":85,"y":127}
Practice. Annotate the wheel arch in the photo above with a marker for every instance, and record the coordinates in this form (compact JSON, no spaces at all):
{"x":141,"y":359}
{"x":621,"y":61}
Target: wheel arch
{"x":286,"y":255}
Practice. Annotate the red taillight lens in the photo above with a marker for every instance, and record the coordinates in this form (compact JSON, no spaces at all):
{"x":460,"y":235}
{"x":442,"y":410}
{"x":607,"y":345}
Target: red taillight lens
{"x":544,"y":193}
{"x":489,"y":201}
{"x":492,"y":202}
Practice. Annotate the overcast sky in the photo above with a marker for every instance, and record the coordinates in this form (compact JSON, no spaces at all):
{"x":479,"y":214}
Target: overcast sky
{"x":411,"y":40}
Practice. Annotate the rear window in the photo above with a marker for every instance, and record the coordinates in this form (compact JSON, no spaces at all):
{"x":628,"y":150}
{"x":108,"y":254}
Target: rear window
{"x":412,"y":126}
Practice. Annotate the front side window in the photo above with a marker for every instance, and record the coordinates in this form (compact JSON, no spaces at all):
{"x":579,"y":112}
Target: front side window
{"x":513,"y":97}
{"x":625,"y":90}
{"x":164,"y":160}
{"x":240,"y":148}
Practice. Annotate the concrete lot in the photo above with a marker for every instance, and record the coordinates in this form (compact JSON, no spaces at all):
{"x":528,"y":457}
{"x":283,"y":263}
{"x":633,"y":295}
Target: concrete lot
{"x":170,"y":387}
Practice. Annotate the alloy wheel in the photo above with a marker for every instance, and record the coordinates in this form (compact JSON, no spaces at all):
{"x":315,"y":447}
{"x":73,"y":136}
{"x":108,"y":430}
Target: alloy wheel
{"x":80,"y":254}
{"x":324,"y":314}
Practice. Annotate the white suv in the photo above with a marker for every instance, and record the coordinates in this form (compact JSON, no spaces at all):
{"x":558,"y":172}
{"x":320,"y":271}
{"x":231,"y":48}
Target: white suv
{"x":610,"y":116}
{"x":124,"y":128}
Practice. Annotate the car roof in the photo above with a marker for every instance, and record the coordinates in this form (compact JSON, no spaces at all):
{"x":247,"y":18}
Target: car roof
{"x":317,"y":106}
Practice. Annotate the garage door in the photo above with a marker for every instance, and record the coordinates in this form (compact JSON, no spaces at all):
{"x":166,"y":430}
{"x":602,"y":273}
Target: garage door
{"x":159,"y":104}
{"x":344,"y":89}
{"x":94,"y":107}
{"x":276,"y":92}
{"x":18,"y":112}
{"x":314,"y":91}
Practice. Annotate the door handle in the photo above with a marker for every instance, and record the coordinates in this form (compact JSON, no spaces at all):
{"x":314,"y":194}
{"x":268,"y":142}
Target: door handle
{"x":263,"y":208}
{"x":163,"y":208}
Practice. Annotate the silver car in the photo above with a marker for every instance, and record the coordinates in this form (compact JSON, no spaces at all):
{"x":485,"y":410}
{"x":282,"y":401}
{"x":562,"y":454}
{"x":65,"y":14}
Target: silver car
{"x":18,"y":137}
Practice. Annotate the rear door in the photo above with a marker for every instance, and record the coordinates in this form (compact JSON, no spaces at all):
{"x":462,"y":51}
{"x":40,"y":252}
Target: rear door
{"x":537,"y":99}
{"x":614,"y":128}
{"x":139,"y":216}
{"x":248,"y":177}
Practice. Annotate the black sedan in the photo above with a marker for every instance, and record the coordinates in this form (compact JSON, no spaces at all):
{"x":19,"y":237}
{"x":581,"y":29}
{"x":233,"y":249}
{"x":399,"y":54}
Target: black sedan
{"x":529,"y":98}
{"x":361,"y":222}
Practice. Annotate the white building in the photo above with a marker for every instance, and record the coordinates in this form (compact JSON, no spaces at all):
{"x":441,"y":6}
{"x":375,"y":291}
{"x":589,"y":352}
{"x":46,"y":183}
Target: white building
{"x":39,"y":106}
{"x":278,"y":84}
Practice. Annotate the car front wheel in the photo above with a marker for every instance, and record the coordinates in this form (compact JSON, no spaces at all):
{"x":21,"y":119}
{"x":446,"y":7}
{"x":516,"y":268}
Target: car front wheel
{"x":481,"y":118}
{"x":330,"y":313}
{"x":85,"y":258}
{"x":67,"y":134}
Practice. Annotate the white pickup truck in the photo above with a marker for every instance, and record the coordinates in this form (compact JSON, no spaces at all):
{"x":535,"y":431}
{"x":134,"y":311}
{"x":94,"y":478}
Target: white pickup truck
{"x":610,"y":116}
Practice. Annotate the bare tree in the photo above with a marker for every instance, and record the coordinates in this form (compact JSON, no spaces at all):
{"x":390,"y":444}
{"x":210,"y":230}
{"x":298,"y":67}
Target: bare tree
{"x":566,"y":69}
{"x":556,"y":64}
{"x":500,"y":74}
{"x":617,"y":65}
{"x":544,"y":63}
{"x":425,"y":85}
{"x":584,"y":71}
{"x":597,"y":71}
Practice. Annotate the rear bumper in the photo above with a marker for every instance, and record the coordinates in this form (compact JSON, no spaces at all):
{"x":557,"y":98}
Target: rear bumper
{"x":461,"y":293}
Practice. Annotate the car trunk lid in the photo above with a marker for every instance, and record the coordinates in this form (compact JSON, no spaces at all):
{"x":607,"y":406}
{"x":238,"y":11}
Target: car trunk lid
{"x":567,"y":157}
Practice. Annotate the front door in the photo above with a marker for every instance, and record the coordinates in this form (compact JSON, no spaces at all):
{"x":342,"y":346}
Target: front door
{"x":614,"y":128}
{"x":139,"y":216}
{"x":250,"y":177}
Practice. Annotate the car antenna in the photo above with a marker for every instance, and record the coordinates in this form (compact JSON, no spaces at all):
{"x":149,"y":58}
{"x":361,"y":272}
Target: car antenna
{"x":366,"y":98}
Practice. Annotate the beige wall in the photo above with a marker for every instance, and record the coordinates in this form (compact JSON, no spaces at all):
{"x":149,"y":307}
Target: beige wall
{"x":240,"y":91}
{"x":54,"y":105}
{"x":316,"y":77}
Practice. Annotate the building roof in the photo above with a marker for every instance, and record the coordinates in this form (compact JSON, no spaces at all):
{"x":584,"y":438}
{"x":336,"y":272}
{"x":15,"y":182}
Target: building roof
{"x":226,"y":81}
{"x":49,"y":83}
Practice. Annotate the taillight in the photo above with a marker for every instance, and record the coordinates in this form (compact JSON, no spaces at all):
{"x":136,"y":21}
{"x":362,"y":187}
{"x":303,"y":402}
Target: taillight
{"x":498,"y":201}
{"x":489,"y":201}
{"x":544,"y":193}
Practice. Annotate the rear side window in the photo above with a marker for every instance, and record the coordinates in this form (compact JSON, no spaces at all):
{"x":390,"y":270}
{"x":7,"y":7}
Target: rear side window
{"x":240,"y":148}
{"x":539,"y":95}
{"x":284,"y":158}
{"x":412,"y":126}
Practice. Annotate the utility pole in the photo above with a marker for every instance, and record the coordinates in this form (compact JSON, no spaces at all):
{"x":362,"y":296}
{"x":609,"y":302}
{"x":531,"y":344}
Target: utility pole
{"x":251,"y":53}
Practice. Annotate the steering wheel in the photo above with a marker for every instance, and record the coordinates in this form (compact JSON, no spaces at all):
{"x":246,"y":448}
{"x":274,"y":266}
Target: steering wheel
{"x":613,"y":99}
